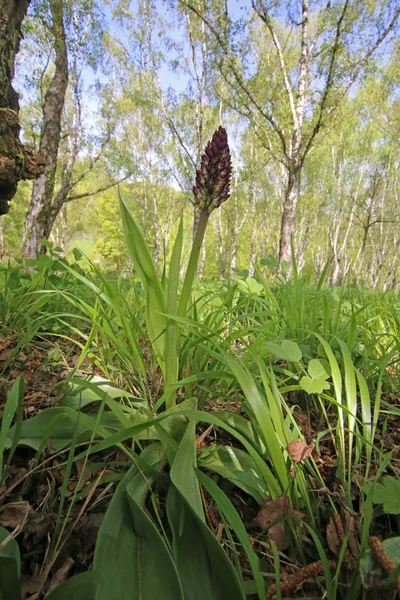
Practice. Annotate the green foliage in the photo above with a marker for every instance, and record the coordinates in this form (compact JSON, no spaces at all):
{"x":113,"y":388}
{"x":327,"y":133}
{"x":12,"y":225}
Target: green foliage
{"x":10,"y":587}
{"x":387,"y":493}
{"x":316,"y":381}
{"x":371,"y":571}
{"x":185,"y":362}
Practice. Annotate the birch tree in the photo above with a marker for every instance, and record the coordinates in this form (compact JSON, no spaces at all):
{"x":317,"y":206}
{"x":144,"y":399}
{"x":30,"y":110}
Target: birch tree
{"x":73,"y":34}
{"x":306,"y":59}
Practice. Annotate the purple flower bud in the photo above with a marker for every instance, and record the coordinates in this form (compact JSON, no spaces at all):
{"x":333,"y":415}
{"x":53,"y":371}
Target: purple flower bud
{"x":212,"y":184}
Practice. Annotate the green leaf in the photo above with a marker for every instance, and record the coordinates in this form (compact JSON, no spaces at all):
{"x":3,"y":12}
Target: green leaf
{"x":351,"y":398}
{"x":172,"y":341}
{"x":236,"y":466}
{"x":286,"y":350}
{"x":59,"y":425}
{"x":316,"y":369}
{"x":77,"y":254}
{"x":250,"y":286}
{"x":371,"y":572}
{"x":131,"y":558}
{"x":182,"y":470}
{"x":270,"y":261}
{"x":316,"y":382}
{"x":204,"y":569}
{"x":80,"y":587}
{"x":313,"y":386}
{"x":155,"y":303}
{"x":388,"y":494}
{"x":231,"y":515}
{"x":13,"y":404}
{"x":10,"y":586}
{"x":263,"y":418}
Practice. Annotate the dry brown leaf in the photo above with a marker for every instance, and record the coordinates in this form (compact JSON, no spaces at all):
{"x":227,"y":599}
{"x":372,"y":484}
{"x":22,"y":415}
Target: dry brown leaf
{"x":21,"y":514}
{"x":296,"y":513}
{"x":27,"y":373}
{"x":303,"y":420}
{"x":30,"y":584}
{"x":14,"y":514}
{"x":61,"y":574}
{"x":5,"y":354}
{"x":332,"y":538}
{"x":300,"y":450}
{"x":352,"y":530}
{"x":277,"y":534}
{"x":269,"y":513}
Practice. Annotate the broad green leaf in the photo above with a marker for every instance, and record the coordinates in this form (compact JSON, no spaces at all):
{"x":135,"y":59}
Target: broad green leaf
{"x":77,"y":254}
{"x":316,"y":382}
{"x":250,"y":286}
{"x":337,"y":384}
{"x":132,"y":431}
{"x":275,"y":402}
{"x":58,"y":424}
{"x":313,"y":386}
{"x":258,"y":406}
{"x":204,"y":569}
{"x":13,"y":404}
{"x":10,"y":586}
{"x":351,"y":398}
{"x":371,"y":572}
{"x":324,"y":274}
{"x":366,"y":417}
{"x":175,"y":425}
{"x":171,"y":347}
{"x":231,"y":515}
{"x":236,"y":466}
{"x":286,"y":350}
{"x":388,"y":494}
{"x":270,"y":261}
{"x":80,"y":587}
{"x":242,"y":426}
{"x":131,"y":558}
{"x":155,"y":302}
{"x":316,"y":369}
{"x":182,"y":471}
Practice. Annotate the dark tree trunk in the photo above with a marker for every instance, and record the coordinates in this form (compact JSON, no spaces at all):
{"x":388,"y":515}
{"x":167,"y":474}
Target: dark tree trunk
{"x":12,"y":13}
{"x":42,"y":212}
{"x":16,"y":161}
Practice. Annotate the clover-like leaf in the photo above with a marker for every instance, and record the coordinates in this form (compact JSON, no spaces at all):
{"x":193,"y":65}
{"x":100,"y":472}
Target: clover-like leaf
{"x":313,"y":386}
{"x":316,"y":369}
{"x":388,"y":494}
{"x":286,"y":350}
{"x":316,"y":380}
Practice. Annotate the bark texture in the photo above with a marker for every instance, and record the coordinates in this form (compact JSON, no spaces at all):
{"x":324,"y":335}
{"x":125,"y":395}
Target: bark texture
{"x":16,"y":160}
{"x":42,"y":212}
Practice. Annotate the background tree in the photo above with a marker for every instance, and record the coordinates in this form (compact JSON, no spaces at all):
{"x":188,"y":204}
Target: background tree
{"x":306,"y":60}
{"x":73,"y":44}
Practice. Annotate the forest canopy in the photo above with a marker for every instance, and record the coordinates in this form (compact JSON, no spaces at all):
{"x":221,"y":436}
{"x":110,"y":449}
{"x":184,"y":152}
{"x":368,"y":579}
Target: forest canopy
{"x":130,"y":93}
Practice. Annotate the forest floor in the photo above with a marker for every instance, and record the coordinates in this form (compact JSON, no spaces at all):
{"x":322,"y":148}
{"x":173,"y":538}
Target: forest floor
{"x":57,"y":537}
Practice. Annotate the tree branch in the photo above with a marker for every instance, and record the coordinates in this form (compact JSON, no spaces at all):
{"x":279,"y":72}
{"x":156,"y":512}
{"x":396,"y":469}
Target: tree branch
{"x":264,"y":16}
{"x":238,"y":78}
{"x":94,"y":192}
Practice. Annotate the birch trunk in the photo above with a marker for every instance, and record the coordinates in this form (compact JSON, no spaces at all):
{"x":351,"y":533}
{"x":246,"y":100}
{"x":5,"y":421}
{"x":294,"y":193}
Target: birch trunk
{"x":288,"y":223}
{"x":42,"y":213}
